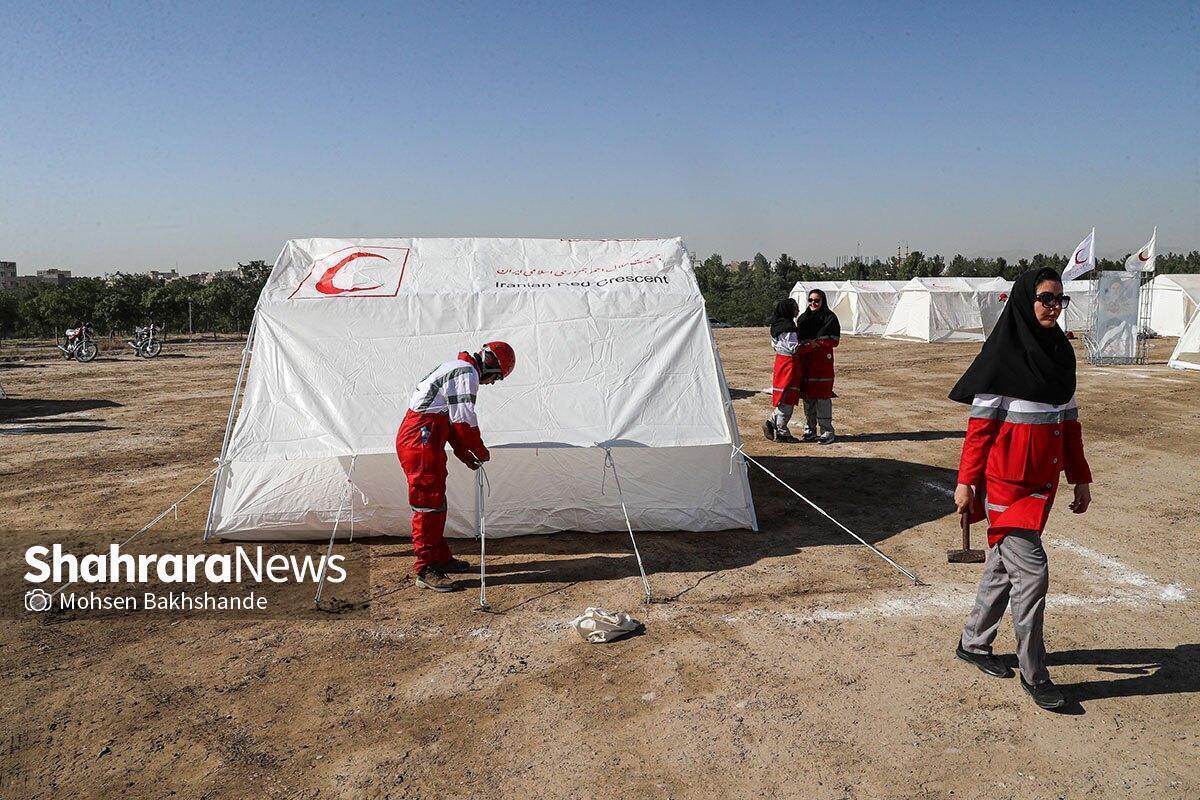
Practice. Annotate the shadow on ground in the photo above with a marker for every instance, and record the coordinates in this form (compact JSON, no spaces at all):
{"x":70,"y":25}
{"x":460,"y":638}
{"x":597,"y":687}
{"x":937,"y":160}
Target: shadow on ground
{"x":875,"y":497}
{"x":34,"y":430}
{"x":902,"y":436}
{"x":1137,"y":671}
{"x":32,"y":409}
{"x":742,"y":394}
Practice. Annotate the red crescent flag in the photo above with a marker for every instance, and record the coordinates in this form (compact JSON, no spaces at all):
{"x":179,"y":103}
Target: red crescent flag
{"x":1143,"y":260}
{"x":1083,"y":259}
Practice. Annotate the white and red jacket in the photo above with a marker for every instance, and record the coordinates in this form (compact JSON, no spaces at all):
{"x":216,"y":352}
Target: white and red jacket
{"x":449,"y":391}
{"x":1014,"y":451}
{"x":785,"y":375}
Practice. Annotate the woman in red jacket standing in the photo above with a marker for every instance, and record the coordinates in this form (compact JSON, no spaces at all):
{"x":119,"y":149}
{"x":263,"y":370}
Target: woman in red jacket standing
{"x":1023,"y":431}
{"x":819,"y":332}
{"x":786,"y":375}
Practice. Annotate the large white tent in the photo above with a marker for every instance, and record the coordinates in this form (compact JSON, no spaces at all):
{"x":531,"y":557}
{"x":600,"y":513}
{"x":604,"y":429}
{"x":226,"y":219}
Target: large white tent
{"x":1187,"y":350}
{"x":614,"y":351}
{"x":947,"y":309}
{"x":1176,"y":298}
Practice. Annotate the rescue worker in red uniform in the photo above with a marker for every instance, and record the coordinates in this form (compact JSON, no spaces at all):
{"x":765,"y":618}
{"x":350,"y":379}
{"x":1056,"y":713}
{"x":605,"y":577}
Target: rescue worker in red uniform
{"x":1023,"y":431}
{"x":819,"y":332}
{"x":785,"y":377}
{"x":441,"y":411}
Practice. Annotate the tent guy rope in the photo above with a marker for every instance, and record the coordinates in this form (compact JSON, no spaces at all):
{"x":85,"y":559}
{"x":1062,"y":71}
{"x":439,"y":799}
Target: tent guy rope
{"x":171,"y":509}
{"x":347,"y":495}
{"x":608,"y":462}
{"x":912,"y":576}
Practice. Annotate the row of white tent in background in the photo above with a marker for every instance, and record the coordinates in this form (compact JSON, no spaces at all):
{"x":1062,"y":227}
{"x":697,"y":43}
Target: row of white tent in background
{"x":966,"y":309}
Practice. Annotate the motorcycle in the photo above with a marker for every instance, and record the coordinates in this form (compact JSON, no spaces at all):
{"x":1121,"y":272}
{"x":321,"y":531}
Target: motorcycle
{"x":79,"y":344}
{"x":145,"y":341}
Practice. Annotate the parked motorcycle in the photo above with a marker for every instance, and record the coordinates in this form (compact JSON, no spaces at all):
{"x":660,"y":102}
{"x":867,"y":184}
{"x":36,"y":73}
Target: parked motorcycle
{"x":79,"y":344}
{"x":146,"y":342}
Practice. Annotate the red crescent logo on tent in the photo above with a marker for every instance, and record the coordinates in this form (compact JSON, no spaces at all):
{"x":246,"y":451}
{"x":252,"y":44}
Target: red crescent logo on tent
{"x":1142,"y":256}
{"x":1079,"y":260}
{"x":1004,"y":297}
{"x":325,"y":284}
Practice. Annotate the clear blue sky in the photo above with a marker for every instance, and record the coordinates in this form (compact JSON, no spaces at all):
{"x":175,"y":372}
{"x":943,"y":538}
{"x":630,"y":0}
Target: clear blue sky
{"x":144,"y":135}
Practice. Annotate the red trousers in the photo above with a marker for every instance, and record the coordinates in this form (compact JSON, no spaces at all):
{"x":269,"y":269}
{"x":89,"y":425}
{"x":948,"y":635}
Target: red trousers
{"x":421,"y":448}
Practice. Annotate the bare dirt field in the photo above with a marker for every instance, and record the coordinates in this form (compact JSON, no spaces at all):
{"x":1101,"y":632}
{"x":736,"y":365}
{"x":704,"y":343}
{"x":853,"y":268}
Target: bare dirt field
{"x":790,"y":662}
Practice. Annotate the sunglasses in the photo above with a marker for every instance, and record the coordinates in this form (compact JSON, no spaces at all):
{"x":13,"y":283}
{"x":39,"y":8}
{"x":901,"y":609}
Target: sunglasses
{"x":814,"y":301}
{"x":1051,"y":300}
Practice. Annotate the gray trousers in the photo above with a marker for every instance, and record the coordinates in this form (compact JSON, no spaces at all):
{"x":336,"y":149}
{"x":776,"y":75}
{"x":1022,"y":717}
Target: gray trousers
{"x":781,"y":416}
{"x":1015,"y":572}
{"x":818,"y":413}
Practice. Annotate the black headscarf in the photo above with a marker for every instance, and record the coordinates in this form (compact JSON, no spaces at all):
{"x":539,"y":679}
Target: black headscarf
{"x":815,"y":324}
{"x":784,"y":318}
{"x":1021,"y":358}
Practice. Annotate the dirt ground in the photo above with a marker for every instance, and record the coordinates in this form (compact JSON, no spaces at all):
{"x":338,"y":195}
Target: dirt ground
{"x":790,"y":662}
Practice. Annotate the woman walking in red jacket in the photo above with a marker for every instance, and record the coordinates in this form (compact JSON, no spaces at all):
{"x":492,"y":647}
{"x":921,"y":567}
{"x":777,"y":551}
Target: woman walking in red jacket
{"x":1023,"y":431}
{"x":819,"y":332}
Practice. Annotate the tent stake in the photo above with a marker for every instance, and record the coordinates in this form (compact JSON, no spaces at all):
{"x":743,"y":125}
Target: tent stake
{"x":481,"y":532}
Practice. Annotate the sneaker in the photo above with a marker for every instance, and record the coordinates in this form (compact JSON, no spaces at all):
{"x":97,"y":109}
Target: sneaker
{"x":769,"y":430}
{"x":808,"y":436}
{"x":433,"y":578}
{"x":825,"y":438}
{"x":785,"y":437}
{"x":455,"y":565}
{"x":1045,"y":694}
{"x":987,"y":662}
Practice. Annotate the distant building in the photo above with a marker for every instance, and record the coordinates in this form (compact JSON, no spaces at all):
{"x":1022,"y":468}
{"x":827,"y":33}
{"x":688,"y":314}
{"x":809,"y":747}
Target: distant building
{"x":8,"y":275}
{"x":209,"y":277}
{"x":54,"y":277}
{"x":163,"y":276}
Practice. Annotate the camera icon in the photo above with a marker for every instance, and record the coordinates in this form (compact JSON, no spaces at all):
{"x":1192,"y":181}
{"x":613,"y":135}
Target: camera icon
{"x":38,"y":600}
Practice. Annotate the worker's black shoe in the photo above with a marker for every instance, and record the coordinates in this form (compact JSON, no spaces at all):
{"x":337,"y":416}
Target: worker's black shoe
{"x":785,"y":437}
{"x":455,"y":565}
{"x":808,"y":436}
{"x":433,"y":578}
{"x":769,"y":430}
{"x":826,"y":438}
{"x":1045,"y":694}
{"x":991,"y":664}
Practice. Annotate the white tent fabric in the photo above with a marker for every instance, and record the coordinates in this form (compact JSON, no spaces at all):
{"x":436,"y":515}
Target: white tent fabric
{"x":1187,"y":350}
{"x":865,"y":307}
{"x":1176,"y":298}
{"x":613,"y":349}
{"x":947,"y":309}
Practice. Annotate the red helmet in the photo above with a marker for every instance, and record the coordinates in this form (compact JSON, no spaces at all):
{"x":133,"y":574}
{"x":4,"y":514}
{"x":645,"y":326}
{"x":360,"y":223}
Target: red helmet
{"x":498,"y":359}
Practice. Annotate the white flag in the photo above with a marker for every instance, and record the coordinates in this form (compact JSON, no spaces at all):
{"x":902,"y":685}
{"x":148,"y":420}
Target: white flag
{"x":1143,"y":260}
{"x":1083,"y":259}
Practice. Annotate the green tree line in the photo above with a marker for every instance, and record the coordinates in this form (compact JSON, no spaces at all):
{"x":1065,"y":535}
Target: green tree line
{"x":117,"y":304}
{"x":740,"y":293}
{"x":745,"y":292}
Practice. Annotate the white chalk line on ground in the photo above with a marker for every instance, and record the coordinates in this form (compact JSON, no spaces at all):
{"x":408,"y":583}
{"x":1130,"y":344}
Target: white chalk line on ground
{"x":1125,"y":588}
